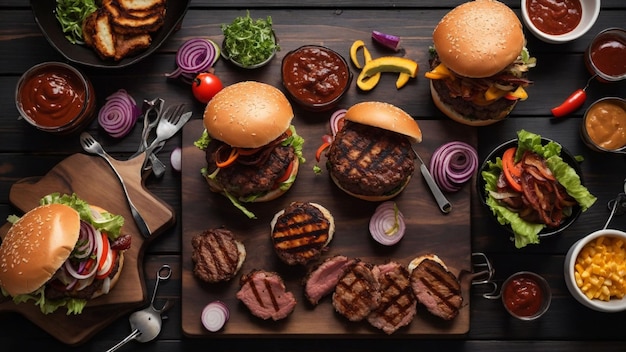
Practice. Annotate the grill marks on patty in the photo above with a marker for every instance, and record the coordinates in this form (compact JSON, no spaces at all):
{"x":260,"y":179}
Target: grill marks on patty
{"x":437,"y":289}
{"x":265,"y":295}
{"x":216,"y":255}
{"x":357,"y":293}
{"x":369,"y":160}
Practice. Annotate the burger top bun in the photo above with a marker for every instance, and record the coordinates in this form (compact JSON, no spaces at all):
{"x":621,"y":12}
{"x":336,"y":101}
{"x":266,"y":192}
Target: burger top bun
{"x":385,"y":116}
{"x":36,"y":246}
{"x":479,"y":38}
{"x":248,"y":114}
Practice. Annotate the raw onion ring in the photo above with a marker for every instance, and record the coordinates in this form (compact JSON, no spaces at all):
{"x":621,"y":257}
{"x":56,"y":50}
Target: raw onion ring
{"x":196,"y":55}
{"x":335,"y":120}
{"x":453,"y":164}
{"x":215,"y":315}
{"x":387,"y":225}
{"x":176,"y":159}
{"x":119,"y":114}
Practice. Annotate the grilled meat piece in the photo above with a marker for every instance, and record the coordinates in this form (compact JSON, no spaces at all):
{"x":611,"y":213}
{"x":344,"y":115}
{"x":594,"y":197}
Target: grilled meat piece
{"x":217,"y":255}
{"x":301,"y":231}
{"x":437,"y":289}
{"x":398,"y":304}
{"x":357,"y":293}
{"x":323,"y":278}
{"x":265,"y":295}
{"x":370,"y":161}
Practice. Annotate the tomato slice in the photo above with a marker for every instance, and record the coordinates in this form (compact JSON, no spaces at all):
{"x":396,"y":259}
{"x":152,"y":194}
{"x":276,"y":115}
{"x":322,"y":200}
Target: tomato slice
{"x":512,"y":171}
{"x":105,"y":251}
{"x":110,"y":265}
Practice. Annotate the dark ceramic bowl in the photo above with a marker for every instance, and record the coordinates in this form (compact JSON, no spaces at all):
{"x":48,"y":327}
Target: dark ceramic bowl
{"x":497,"y":152}
{"x":44,"y":12}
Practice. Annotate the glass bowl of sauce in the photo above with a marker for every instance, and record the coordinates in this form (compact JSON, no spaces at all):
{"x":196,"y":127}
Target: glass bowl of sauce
{"x":316,"y":77}
{"x":605,"y":55}
{"x":604,"y":125}
{"x":526,"y":295}
{"x":55,"y":97}
{"x":558,"y":22}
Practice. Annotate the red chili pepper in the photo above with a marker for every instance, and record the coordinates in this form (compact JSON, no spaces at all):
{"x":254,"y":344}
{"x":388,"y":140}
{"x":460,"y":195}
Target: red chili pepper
{"x":570,"y":104}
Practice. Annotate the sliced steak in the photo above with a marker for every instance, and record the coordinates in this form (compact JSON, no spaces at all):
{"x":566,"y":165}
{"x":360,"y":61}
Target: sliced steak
{"x":265,"y":295}
{"x":398,"y":304}
{"x":437,"y":289}
{"x":217,"y":255}
{"x":323,"y":278}
{"x":357,"y":293}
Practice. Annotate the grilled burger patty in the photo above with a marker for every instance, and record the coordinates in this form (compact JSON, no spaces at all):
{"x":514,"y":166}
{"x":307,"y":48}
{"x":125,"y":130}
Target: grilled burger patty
{"x":357,"y":293}
{"x":251,"y":175}
{"x":301,"y":232}
{"x":216,"y":255}
{"x":371,"y":161}
{"x":437,"y":289}
{"x":265,"y":295}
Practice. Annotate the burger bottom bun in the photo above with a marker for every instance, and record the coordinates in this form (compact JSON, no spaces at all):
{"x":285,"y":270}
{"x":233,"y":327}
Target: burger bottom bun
{"x":451,"y":113}
{"x":214,"y":186}
{"x":114,"y":279}
{"x":371,"y":198}
{"x":418,"y":260}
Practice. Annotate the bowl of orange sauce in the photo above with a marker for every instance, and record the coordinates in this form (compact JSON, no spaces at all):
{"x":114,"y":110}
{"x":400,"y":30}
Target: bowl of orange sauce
{"x":558,"y":22}
{"x":604,"y":125}
{"x":55,"y":97}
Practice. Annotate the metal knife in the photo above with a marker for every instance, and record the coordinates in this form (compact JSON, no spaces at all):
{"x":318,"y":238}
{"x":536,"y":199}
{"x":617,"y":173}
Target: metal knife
{"x":442,"y":201}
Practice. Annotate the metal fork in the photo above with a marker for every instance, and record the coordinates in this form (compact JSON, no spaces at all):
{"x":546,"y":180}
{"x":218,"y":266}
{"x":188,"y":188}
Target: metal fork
{"x":172,"y":121}
{"x":92,"y":146}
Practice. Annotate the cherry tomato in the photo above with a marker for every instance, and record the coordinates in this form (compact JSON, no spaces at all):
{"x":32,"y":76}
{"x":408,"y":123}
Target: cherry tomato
{"x":205,"y":86}
{"x":570,"y":104}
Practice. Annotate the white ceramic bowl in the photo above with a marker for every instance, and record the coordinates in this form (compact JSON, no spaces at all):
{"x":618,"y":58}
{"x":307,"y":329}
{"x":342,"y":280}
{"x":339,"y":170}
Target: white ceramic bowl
{"x":613,"y":305}
{"x":590,"y":11}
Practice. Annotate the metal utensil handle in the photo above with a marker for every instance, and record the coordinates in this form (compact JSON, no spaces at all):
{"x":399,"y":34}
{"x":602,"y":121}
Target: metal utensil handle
{"x":441,"y":199}
{"x":160,"y":277}
{"x":133,"y":335}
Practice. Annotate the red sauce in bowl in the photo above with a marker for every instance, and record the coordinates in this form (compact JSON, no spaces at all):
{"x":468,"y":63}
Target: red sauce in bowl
{"x":608,"y":54}
{"x":554,"y":17}
{"x":523,"y":295}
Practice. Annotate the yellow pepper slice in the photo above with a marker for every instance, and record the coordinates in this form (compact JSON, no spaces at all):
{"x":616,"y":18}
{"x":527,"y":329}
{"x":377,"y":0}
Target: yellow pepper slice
{"x":494,"y":93}
{"x":363,"y":82}
{"x":519,"y":93}
{"x":391,"y":64}
{"x":439,"y":72}
{"x":403,"y":78}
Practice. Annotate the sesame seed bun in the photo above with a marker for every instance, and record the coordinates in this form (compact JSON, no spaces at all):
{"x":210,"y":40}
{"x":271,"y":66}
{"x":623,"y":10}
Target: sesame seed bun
{"x":36,"y":246}
{"x":248,"y":114}
{"x":385,"y":116}
{"x":479,"y":38}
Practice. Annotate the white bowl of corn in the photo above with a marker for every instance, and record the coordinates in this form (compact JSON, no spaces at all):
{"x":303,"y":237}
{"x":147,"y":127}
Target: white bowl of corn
{"x":595,"y":270}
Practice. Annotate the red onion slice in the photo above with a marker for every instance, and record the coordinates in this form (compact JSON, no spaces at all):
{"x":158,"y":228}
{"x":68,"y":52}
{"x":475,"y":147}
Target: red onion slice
{"x":336,"y":120}
{"x":196,"y":55}
{"x":119,"y":114}
{"x":215,"y":315}
{"x":453,"y":164}
{"x":387,"y":225}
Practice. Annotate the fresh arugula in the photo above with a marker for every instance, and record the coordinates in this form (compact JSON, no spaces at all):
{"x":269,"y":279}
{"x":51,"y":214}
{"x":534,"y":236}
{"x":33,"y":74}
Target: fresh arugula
{"x":249,"y":41}
{"x":70,"y":14}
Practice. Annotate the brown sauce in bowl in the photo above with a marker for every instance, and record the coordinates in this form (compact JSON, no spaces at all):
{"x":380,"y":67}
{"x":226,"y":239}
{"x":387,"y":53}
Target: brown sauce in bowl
{"x":555,"y":17}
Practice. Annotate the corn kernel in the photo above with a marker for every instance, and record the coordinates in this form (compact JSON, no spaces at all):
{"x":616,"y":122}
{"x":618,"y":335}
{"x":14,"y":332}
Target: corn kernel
{"x":600,"y":269}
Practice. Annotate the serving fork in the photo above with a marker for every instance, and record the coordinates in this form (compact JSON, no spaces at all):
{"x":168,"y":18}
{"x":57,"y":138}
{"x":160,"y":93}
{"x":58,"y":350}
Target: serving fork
{"x":92,"y":146}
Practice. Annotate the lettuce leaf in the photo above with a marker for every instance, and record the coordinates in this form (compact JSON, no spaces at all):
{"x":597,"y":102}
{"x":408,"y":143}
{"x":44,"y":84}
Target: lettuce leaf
{"x":524,"y":232}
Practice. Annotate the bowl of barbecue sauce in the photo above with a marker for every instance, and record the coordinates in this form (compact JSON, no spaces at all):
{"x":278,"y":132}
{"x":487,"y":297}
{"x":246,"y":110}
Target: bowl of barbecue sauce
{"x":55,"y":97}
{"x":526,"y":295}
{"x":605,"y":55}
{"x":559,"y":21}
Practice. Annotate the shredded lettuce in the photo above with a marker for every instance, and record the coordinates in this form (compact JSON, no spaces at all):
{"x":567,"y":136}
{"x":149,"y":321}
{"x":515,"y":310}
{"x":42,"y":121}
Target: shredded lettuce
{"x":249,"y":41}
{"x":524,"y":232}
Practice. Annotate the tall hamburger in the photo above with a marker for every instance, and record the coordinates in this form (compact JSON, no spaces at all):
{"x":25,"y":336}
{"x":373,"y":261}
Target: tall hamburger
{"x":62,"y":253}
{"x":479,"y":63}
{"x":252,"y":150}
{"x":371,"y":156}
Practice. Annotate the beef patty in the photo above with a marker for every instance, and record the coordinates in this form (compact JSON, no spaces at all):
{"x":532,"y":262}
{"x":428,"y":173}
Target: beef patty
{"x":217,"y":255}
{"x":357,"y":293}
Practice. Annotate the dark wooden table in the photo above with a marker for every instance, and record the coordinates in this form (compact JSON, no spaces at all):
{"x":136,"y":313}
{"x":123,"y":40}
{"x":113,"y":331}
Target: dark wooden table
{"x":568,"y":325}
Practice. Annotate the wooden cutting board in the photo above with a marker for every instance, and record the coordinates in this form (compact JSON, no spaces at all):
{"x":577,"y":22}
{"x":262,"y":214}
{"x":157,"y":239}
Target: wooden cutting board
{"x":91,"y":178}
{"x":428,"y":231}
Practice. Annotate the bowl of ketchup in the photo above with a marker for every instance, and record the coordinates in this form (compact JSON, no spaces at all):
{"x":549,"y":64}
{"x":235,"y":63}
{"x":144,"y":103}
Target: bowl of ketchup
{"x":526,"y":295}
{"x":55,"y":97}
{"x":605,"y":55}
{"x":558,"y":22}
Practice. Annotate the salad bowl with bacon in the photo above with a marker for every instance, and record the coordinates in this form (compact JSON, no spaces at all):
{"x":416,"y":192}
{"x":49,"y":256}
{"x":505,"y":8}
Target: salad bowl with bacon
{"x":533,"y":187}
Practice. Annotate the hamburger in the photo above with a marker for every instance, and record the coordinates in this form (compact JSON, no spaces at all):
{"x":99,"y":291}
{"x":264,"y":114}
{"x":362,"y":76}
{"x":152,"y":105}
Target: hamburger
{"x":252,"y":150}
{"x":371,"y":157}
{"x":479,"y":63}
{"x":64,"y":252}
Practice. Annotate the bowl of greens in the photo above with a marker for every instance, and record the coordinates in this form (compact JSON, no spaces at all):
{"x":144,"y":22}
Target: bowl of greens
{"x":61,"y":23}
{"x":249,"y":43}
{"x":533,"y":187}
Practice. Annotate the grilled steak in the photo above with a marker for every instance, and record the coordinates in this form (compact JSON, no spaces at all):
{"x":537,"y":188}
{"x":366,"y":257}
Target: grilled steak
{"x":357,"y":293}
{"x":398,"y":304}
{"x":265,"y":295}
{"x":301,"y":231}
{"x":217,"y":255}
{"x":370,"y":161}
{"x":437,"y":289}
{"x":323,"y":278}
